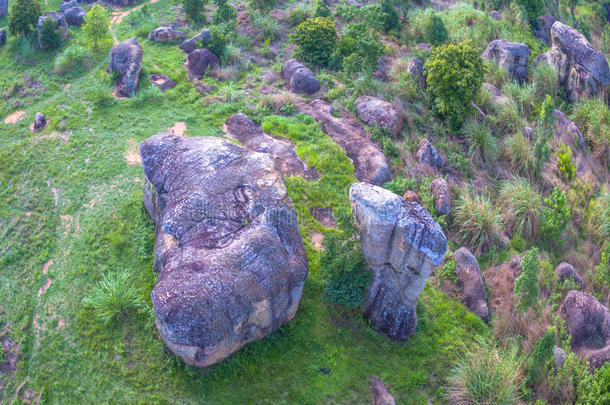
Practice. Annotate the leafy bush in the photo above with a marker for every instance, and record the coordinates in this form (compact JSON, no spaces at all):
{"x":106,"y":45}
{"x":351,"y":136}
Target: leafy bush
{"x":486,"y":375}
{"x":218,"y":41}
{"x":480,"y":140}
{"x":521,"y":206}
{"x":115,"y":297}
{"x":298,"y":16}
{"x":455,"y":76}
{"x":555,"y":215}
{"x":390,"y":15}
{"x":194,"y":9}
{"x":50,"y":37}
{"x":359,"y":49}
{"x":477,"y":222}
{"x":224,"y":14}
{"x":316,"y":39}
{"x":435,"y":31}
{"x":541,"y":356}
{"x":564,"y":161}
{"x":23,"y":17}
{"x":96,"y":24}
{"x":597,"y":389}
{"x":320,"y":9}
{"x":526,"y":284}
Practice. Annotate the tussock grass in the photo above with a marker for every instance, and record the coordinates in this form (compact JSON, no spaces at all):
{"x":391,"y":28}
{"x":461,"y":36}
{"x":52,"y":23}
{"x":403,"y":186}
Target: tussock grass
{"x":521,"y":206}
{"x":477,"y":222}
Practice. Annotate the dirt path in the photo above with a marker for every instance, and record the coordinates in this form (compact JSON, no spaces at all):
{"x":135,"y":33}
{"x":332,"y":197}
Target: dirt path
{"x":118,"y":16}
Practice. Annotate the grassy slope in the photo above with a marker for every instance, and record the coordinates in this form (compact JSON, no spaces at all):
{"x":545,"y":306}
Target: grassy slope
{"x":98,"y":225}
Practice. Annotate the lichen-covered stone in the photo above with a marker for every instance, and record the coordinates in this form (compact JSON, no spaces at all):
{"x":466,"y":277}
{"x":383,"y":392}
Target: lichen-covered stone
{"x":299,"y":78}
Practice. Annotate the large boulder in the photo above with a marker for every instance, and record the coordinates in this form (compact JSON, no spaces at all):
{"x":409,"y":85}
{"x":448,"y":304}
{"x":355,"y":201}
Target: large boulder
{"x":588,"y":322}
{"x":511,"y":55}
{"x":60,"y":24}
{"x":75,"y":16}
{"x":565,"y":271}
{"x":401,"y":245}
{"x":126,"y":60}
{"x":230,"y":258}
{"x":470,"y":283}
{"x":299,"y":78}
{"x":3,"y":8}
{"x":200,"y":62}
{"x":582,"y":70}
{"x":166,"y":34}
{"x":378,"y":113}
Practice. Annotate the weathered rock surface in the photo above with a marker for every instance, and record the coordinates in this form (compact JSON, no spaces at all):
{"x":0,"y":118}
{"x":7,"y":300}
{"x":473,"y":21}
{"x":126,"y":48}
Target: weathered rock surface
{"x":250,"y":135}
{"x":496,"y":15}
{"x":545,"y":23}
{"x":511,"y":55}
{"x":67,"y":4}
{"x":60,"y":24}
{"x":417,"y":69}
{"x":565,"y":271}
{"x":411,"y":196}
{"x":75,"y":16}
{"x":370,"y":165}
{"x":470,"y":283}
{"x":401,"y":245}
{"x":190,"y":44}
{"x":126,"y":60}
{"x":582,"y":70}
{"x":121,"y":3}
{"x":162,"y":82}
{"x":567,"y":131}
{"x":427,"y":154}
{"x":166,"y":34}
{"x":199,"y":62}
{"x":588,"y":322}
{"x":230,"y":258}
{"x":560,"y":356}
{"x":379,"y":113}
{"x":496,"y":95}
{"x":39,"y":122}
{"x":381,"y":395}
{"x":299,"y":78}
{"x":3,"y":8}
{"x":441,"y":196}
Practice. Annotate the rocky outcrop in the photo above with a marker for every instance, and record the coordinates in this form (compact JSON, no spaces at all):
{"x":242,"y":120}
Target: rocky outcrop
{"x":470,"y":285}
{"x":229,"y":255}
{"x":39,"y":122}
{"x":381,"y":395}
{"x":166,"y":34}
{"x":75,"y":16}
{"x":370,"y":165}
{"x":250,"y":135}
{"x":510,"y":55}
{"x":299,"y":78}
{"x":200,"y":62}
{"x":60,"y":24}
{"x":401,"y":245}
{"x":565,"y":271}
{"x":418,"y":71}
{"x":378,"y":113}
{"x":163,"y":82}
{"x":582,"y":70}
{"x":441,"y":196}
{"x":567,"y":131}
{"x":126,"y":60}
{"x":428,"y":155}
{"x":588,"y":322}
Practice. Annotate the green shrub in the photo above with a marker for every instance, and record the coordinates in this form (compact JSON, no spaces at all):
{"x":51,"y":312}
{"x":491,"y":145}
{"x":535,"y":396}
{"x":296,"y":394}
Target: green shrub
{"x":401,"y":184}
{"x":486,"y":375}
{"x":521,"y":207}
{"x":50,"y":37}
{"x":455,"y":76}
{"x":533,"y":8}
{"x":597,"y":389}
{"x":115,"y":297}
{"x":435,"y":31}
{"x":224,"y":14}
{"x":96,"y":24}
{"x":544,"y":77}
{"x":315,"y":39}
{"x":194,"y":9}
{"x":359,"y":49}
{"x":526,"y":288}
{"x":599,"y":217}
{"x":320,"y":9}
{"x":262,"y":5}
{"x":218,"y":41}
{"x":480,"y":140}
{"x":390,"y":15}
{"x":555,"y":215}
{"x":541,"y":356}
{"x":23,"y":17}
{"x":477,"y":222}
{"x":447,"y":270}
{"x":564,"y":161}
{"x":601,"y":273}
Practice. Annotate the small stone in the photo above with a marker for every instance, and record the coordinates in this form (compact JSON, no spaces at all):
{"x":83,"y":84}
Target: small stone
{"x":565,"y":271}
{"x":496,"y":15}
{"x":560,"y":356}
{"x":162,"y":82}
{"x":376,"y":112}
{"x":441,"y":196}
{"x":166,"y":34}
{"x":39,"y":122}
{"x":411,"y":196}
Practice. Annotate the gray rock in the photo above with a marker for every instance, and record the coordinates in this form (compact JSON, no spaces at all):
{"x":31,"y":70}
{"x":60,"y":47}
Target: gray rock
{"x":230,"y":258}
{"x":381,"y":395}
{"x":60,"y":22}
{"x":75,"y":16}
{"x":39,"y":122}
{"x":427,"y":154}
{"x":545,"y":22}
{"x":166,"y":34}
{"x":379,"y":113}
{"x":162,"y":82}
{"x":189,"y":45}
{"x":567,"y":131}
{"x":205,"y":36}
{"x":2,"y":37}
{"x":560,"y":356}
{"x":126,"y":60}
{"x":582,"y":71}
{"x":299,"y":78}
{"x":528,"y":132}
{"x":67,"y":4}
{"x":470,"y":283}
{"x":200,"y":62}
{"x":401,"y":245}
{"x":565,"y":271}
{"x":3,"y":8}
{"x":588,"y":322}
{"x":441,"y":196}
{"x":511,"y":55}
{"x":417,"y":69}
{"x":496,"y":15}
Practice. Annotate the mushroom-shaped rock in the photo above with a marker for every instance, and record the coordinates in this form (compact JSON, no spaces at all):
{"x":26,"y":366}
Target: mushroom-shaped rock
{"x":230,"y":258}
{"x":441,"y":196}
{"x":588,"y":322}
{"x":378,"y":113}
{"x":299,"y":78}
{"x":166,"y":34}
{"x":565,"y":271}
{"x":428,"y":155}
{"x":126,"y":60}
{"x":582,"y":70}
{"x":511,"y":55}
{"x":401,"y":245}
{"x":39,"y":122}
{"x":60,"y":24}
{"x":199,"y":62}
{"x":470,"y":283}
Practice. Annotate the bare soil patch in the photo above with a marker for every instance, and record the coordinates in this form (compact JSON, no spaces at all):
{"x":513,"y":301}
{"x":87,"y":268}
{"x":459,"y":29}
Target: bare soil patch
{"x":14,"y":117}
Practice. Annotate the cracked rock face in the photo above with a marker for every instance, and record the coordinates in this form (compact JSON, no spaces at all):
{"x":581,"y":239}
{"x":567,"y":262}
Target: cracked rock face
{"x":126,"y":60}
{"x":402,"y":245}
{"x":230,"y":258}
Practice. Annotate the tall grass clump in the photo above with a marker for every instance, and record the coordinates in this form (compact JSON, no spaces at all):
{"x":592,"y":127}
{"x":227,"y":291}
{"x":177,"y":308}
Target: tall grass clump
{"x":599,"y":217}
{"x":519,"y":150}
{"x":521,"y":206}
{"x":478,"y":222}
{"x":73,"y":56}
{"x":544,"y":78}
{"x":593,"y":118}
{"x":486,"y":375}
{"x":115,"y":296}
{"x":480,"y":140}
